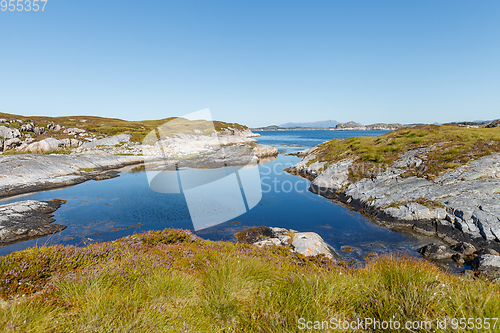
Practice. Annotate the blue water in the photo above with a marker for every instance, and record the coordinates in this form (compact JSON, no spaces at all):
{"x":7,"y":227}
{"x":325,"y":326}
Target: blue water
{"x":291,"y":141}
{"x":110,"y":209}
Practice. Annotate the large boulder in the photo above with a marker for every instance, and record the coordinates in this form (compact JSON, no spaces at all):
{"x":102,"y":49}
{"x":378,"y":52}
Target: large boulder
{"x":265,"y":151}
{"x":306,"y":243}
{"x":436,"y":252}
{"x":9,"y":133}
{"x":44,"y":146}
{"x":311,"y":244}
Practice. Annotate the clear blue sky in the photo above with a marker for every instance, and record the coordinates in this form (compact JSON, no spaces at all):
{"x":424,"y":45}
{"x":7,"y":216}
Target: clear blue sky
{"x":254,"y":62}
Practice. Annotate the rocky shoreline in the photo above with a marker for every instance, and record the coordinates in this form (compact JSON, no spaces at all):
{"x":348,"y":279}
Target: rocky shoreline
{"x":20,"y":221}
{"x":459,"y":206}
{"x":100,"y":159}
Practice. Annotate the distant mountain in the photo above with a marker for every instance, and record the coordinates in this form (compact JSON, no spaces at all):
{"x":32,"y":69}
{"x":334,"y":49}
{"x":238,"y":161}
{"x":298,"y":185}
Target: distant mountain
{"x":323,"y":124}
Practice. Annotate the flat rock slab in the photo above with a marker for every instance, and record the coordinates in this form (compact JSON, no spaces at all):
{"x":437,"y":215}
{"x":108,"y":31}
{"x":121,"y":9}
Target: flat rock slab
{"x":31,"y":172}
{"x":28,"y":219}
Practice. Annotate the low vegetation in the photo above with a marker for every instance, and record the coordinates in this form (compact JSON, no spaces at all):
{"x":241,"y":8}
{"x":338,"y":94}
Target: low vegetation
{"x":173,"y":281}
{"x":451,"y":146}
{"x":105,"y":126}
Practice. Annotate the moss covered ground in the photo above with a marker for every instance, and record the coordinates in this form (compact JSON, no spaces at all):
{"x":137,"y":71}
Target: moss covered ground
{"x":173,"y":281}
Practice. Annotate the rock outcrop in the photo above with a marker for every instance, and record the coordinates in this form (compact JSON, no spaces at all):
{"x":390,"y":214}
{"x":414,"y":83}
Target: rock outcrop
{"x":43,"y":146}
{"x":28,"y":219}
{"x":264,"y":151}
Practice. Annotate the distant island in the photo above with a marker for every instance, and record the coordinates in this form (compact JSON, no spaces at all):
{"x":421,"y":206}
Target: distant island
{"x":353,"y":126}
{"x":349,"y":126}
{"x":315,"y":124}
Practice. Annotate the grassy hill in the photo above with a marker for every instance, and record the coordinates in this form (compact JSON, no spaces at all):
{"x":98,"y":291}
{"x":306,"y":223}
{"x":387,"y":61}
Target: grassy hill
{"x":105,"y":126}
{"x":450,"y":146}
{"x":173,"y":281}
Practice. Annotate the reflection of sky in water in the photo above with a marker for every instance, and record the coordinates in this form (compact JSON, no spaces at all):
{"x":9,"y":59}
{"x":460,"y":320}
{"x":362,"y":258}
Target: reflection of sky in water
{"x":114,"y":208}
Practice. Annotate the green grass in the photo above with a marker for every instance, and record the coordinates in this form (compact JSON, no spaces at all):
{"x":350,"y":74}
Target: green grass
{"x":453,"y":146}
{"x":173,"y":281}
{"x":430,"y":204}
{"x":113,"y":126}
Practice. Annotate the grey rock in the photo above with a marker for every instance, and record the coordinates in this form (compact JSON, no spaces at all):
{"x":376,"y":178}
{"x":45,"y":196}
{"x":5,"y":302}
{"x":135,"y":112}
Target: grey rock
{"x":311,"y":244}
{"x":486,"y":251}
{"x":11,"y":143}
{"x":470,"y":193}
{"x":73,"y":130}
{"x":1,"y":144}
{"x":436,"y":252}
{"x":264,"y":151}
{"x":7,"y":133}
{"x":111,"y":141}
{"x":410,"y":158}
{"x":70,"y":143}
{"x":464,"y":248}
{"x":27,"y":128}
{"x":31,"y":172}
{"x":27,"y":219}
{"x":335,"y":177}
{"x":44,"y":146}
{"x":415,"y":212}
{"x":15,"y":133}
{"x":488,"y":266}
{"x":306,"y":243}
{"x":39,"y":130}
